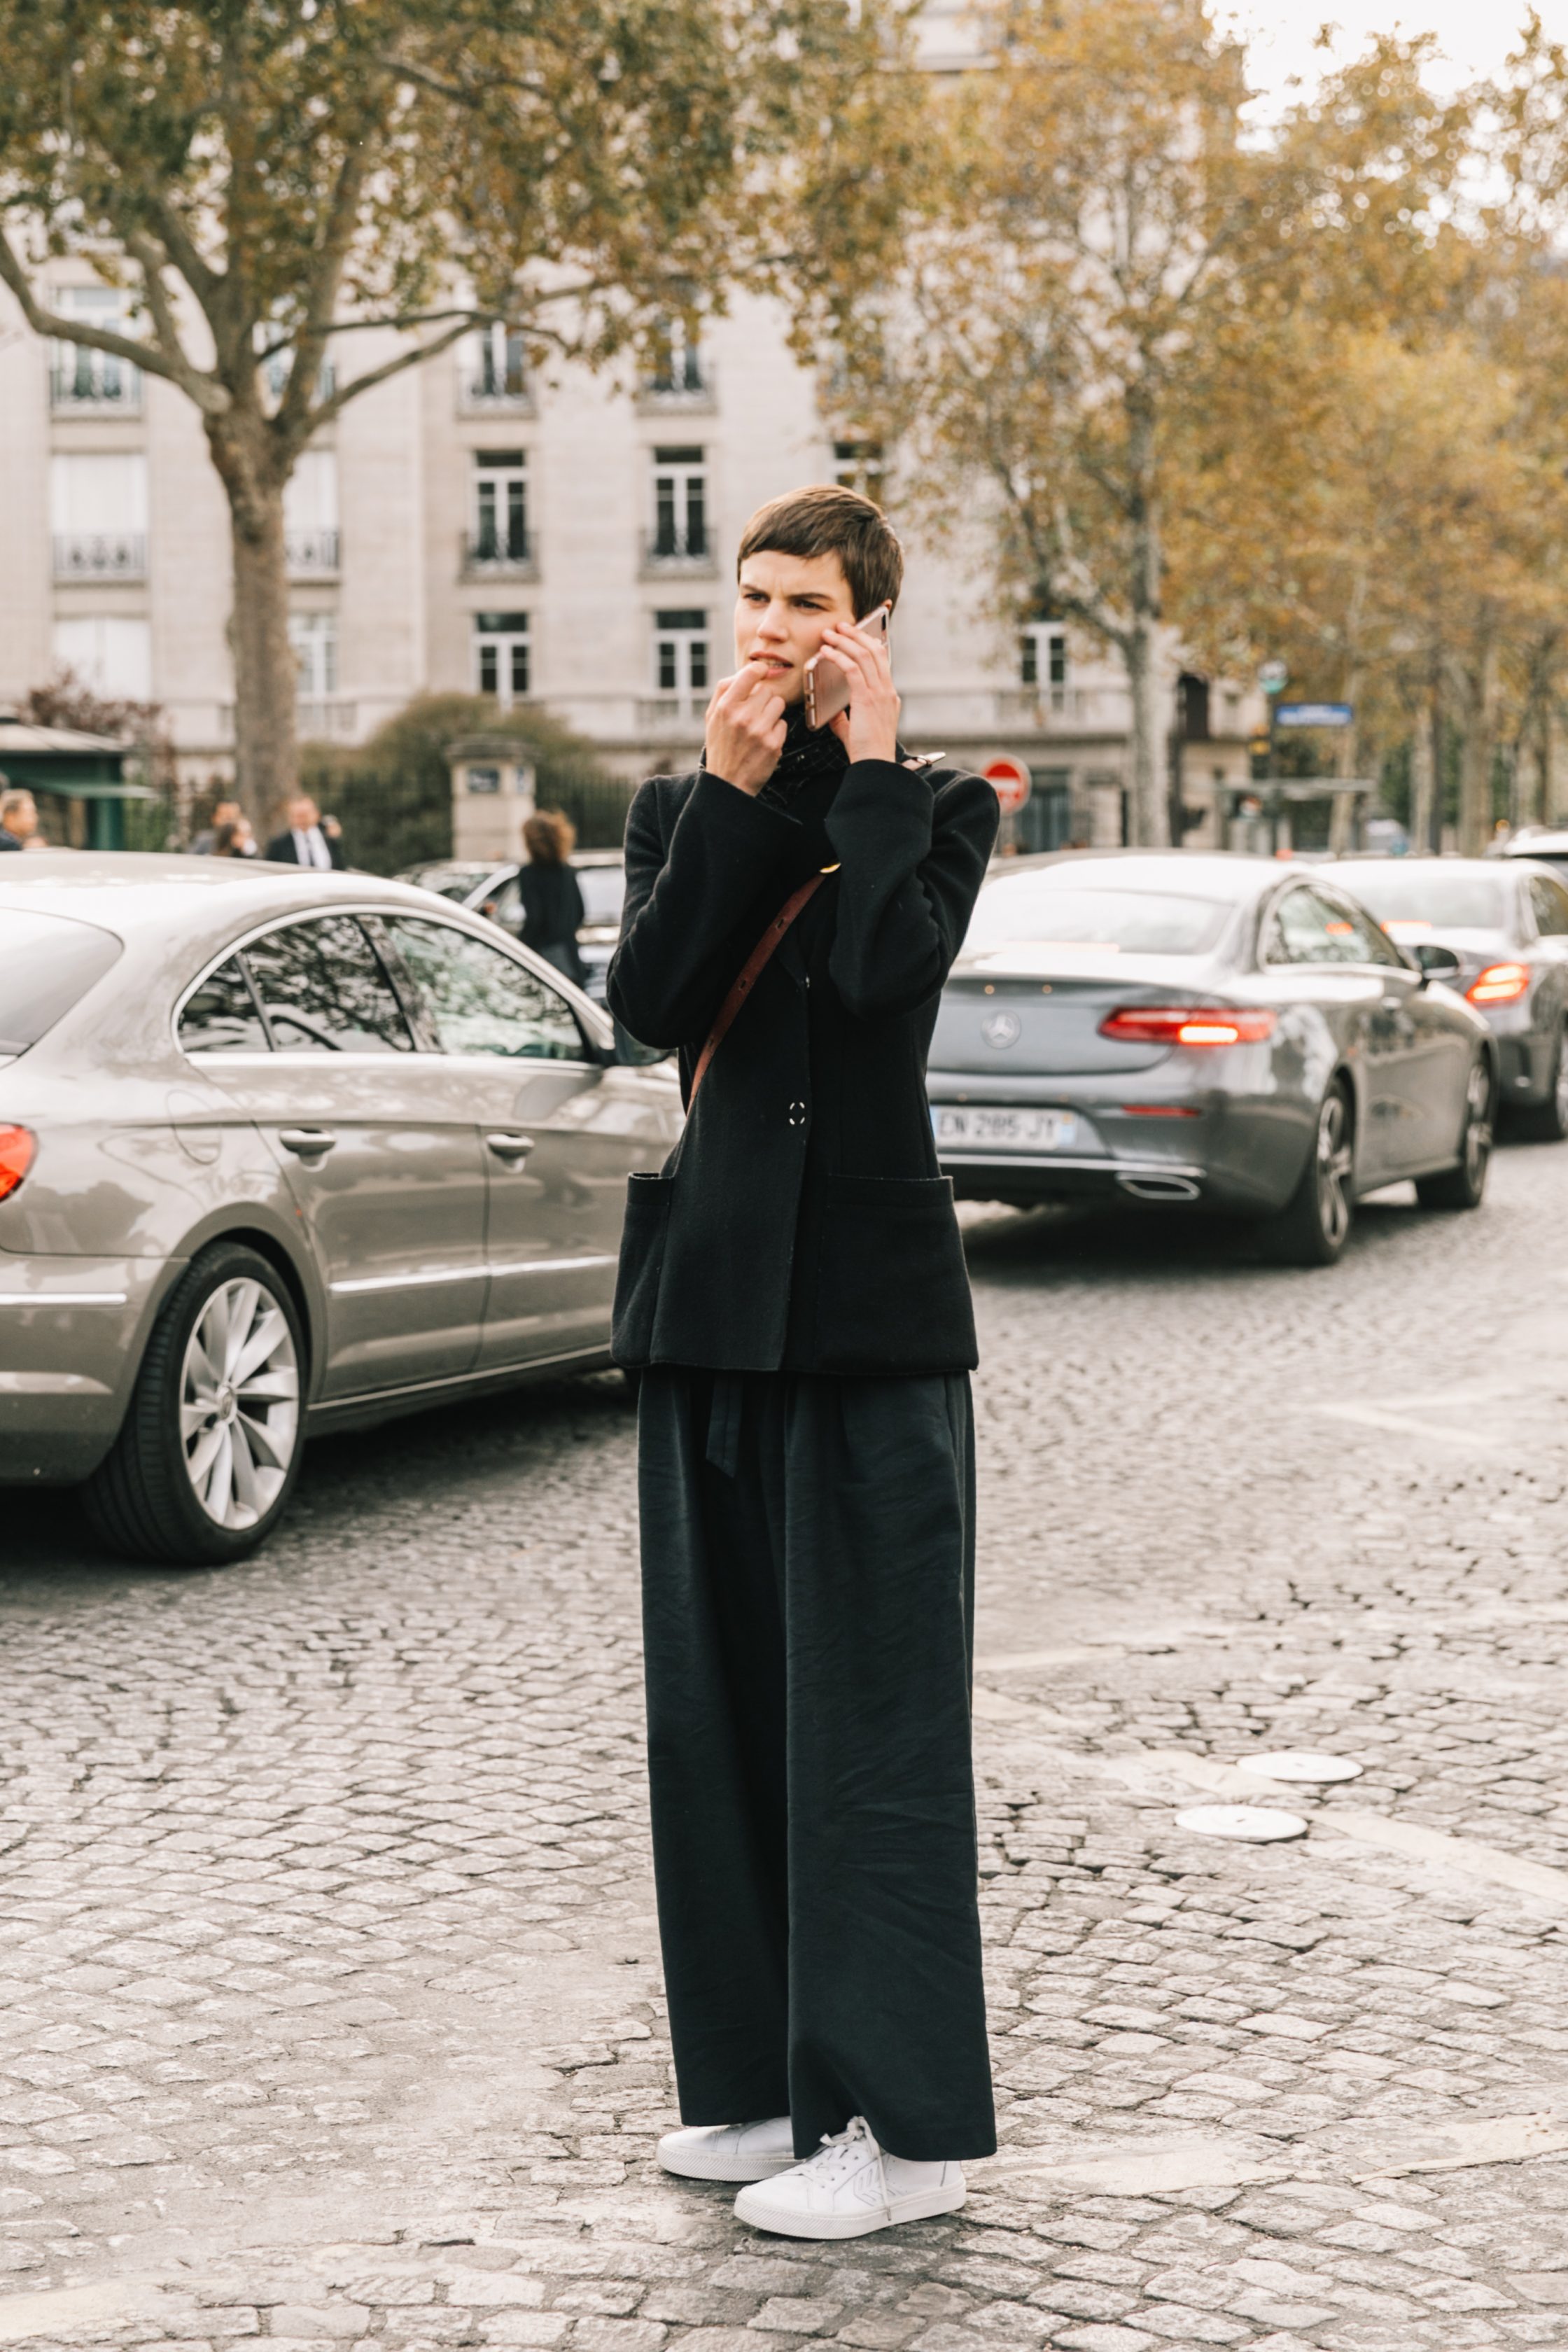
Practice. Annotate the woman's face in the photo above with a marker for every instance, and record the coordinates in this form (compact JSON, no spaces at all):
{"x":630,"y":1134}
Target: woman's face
{"x":786,"y":606}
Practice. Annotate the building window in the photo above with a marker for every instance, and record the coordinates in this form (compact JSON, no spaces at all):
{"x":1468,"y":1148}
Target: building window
{"x":500,"y":507}
{"x":314,"y":637}
{"x":680,"y":503}
{"x":1043,"y":656}
{"x":494,"y":371}
{"x":859,"y":465}
{"x":677,"y":370}
{"x":275,"y":358}
{"x":113,"y":657}
{"x":310,"y":515}
{"x":500,"y":656}
{"x":89,"y":381}
{"x":98,"y":512}
{"x":680,"y":652}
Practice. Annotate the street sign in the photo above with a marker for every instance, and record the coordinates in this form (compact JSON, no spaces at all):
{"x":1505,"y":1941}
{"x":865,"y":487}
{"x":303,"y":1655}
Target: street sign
{"x":1315,"y":714}
{"x":1273,"y":676}
{"x":1010,"y":779}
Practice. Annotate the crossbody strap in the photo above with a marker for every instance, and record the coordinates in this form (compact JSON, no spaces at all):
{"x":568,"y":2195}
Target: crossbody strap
{"x":746,"y":978}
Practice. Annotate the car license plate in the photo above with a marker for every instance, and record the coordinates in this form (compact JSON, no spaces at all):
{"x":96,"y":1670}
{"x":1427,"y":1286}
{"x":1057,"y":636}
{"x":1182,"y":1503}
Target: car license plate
{"x":1007,"y":1131}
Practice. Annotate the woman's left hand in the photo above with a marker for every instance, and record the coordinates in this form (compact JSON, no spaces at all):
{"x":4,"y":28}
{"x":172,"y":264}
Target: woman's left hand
{"x":868,"y":729}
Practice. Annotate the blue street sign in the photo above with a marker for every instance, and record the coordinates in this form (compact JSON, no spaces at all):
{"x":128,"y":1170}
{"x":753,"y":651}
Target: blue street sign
{"x":1315,"y":714}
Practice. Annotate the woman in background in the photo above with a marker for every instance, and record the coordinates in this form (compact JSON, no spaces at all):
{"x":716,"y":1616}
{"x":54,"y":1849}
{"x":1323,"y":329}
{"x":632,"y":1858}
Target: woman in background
{"x":551,"y":895}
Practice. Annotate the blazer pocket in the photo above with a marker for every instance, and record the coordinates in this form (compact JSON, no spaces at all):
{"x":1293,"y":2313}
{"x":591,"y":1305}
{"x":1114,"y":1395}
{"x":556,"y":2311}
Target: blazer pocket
{"x":892,"y":1288}
{"x":643,"y":1236}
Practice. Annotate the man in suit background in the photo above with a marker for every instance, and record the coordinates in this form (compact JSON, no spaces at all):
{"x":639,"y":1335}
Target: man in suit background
{"x":311,"y":839}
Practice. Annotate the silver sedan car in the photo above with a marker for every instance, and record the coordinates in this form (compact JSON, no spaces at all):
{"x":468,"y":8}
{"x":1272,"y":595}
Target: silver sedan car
{"x":1225,"y":1032}
{"x":283,"y":1152}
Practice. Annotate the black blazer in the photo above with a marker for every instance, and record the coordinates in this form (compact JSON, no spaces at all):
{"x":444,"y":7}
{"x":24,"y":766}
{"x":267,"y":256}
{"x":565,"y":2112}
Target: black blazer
{"x":801,"y":1223}
{"x":279,"y":850}
{"x":550,"y":898}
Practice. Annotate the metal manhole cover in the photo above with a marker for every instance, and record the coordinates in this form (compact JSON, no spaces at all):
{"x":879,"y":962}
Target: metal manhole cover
{"x":1254,"y":1825}
{"x":1301,"y":1764}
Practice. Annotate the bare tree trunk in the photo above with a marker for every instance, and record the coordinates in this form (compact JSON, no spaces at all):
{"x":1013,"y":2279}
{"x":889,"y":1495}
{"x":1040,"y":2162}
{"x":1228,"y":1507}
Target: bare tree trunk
{"x":1148,"y":805}
{"x":1478,"y":687}
{"x":1341,"y":815}
{"x":1427,"y":765}
{"x":265,"y":673}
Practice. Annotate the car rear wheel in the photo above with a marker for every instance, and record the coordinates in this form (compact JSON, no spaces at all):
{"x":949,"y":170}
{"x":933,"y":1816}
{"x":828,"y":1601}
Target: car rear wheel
{"x":202,"y":1471}
{"x":1547,"y":1122}
{"x":1461,"y":1187}
{"x":1314,"y":1225}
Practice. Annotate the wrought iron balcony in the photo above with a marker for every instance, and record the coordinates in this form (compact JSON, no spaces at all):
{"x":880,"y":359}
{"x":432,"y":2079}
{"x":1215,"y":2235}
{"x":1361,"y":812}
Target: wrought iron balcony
{"x":311,"y":554}
{"x":679,"y":711}
{"x":94,"y":383}
{"x":100,"y":555}
{"x":495,"y":392}
{"x":495,"y":553}
{"x":679,"y":555}
{"x":688,"y":386}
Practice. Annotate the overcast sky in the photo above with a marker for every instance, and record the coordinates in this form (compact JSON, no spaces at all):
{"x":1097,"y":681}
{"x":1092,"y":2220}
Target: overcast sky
{"x":1475,"y":34}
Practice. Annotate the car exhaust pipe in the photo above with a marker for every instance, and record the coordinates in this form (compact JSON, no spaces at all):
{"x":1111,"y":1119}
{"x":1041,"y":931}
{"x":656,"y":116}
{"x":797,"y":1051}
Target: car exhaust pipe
{"x":1160,"y":1188}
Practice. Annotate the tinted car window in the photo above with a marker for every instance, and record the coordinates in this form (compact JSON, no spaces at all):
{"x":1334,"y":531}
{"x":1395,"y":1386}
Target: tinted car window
{"x":1418,"y":897}
{"x":47,"y":962}
{"x":479,"y":1000}
{"x":506,"y":906}
{"x":1309,"y":927}
{"x":1037,"y":909}
{"x":325,"y":992}
{"x":1550,"y":901}
{"x":221,"y":1015}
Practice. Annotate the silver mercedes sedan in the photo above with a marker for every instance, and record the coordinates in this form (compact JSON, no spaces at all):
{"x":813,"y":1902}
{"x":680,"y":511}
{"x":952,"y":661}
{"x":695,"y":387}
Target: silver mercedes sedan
{"x":283,"y":1152}
{"x":1223,"y":1032}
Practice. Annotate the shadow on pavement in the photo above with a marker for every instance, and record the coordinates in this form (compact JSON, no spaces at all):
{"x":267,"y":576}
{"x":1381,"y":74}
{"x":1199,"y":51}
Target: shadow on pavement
{"x":1006,"y":1245}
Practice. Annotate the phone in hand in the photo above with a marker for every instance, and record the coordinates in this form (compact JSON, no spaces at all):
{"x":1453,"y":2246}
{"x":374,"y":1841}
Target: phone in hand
{"x":826,"y":685}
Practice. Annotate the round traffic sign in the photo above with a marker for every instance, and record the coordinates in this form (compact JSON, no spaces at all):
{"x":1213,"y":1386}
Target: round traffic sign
{"x":1010,"y":779}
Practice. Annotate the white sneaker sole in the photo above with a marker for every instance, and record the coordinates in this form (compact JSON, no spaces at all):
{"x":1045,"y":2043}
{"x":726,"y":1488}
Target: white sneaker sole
{"x":786,"y":2223}
{"x":703,"y":2164}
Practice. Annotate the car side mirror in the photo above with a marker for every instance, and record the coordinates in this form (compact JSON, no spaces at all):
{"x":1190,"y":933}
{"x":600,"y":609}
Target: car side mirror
{"x":1436,"y":962}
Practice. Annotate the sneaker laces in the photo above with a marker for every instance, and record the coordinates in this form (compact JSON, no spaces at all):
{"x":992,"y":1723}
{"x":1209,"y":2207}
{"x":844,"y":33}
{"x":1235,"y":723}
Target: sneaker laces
{"x":840,"y":2152}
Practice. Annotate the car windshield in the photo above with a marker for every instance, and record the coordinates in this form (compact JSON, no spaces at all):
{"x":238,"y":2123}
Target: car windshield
{"x":1422,"y":897}
{"x":1048,"y":909}
{"x":47,"y":962}
{"x":604,"y":888}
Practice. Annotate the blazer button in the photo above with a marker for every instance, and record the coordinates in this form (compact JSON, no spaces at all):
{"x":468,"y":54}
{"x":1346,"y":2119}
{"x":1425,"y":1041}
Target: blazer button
{"x":798,"y":1113}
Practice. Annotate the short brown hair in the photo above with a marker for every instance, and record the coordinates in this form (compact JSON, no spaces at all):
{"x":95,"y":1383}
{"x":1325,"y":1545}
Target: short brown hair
{"x":549,"y":837}
{"x":826,"y":520}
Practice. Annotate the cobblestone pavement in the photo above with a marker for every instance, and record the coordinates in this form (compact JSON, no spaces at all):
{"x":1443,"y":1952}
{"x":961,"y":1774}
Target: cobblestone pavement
{"x":328,"y":1990}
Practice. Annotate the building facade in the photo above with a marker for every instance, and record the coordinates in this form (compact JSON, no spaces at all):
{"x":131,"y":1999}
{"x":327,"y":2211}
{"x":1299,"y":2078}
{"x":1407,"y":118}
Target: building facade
{"x":471,"y":526}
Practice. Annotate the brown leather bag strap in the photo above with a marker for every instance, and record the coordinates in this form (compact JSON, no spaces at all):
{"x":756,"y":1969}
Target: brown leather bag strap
{"x":746,"y":978}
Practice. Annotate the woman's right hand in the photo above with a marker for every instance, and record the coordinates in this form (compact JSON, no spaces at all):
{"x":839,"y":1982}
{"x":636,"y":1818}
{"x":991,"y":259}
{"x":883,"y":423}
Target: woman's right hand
{"x":745,"y":730}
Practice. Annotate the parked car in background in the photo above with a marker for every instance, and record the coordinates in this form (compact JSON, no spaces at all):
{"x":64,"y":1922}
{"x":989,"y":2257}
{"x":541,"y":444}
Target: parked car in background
{"x":491,"y":890}
{"x":1546,"y":843}
{"x":1507,"y":921}
{"x":1225,"y":1032}
{"x":282,"y":1152}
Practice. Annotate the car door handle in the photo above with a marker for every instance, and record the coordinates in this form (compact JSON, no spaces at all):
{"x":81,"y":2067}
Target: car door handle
{"x":310,"y":1143}
{"x":511,"y":1148}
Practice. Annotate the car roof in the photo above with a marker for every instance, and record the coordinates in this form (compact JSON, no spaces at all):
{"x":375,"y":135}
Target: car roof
{"x":1196,"y":873}
{"x":1535,"y":839}
{"x":1421,"y":864}
{"x":134,"y":891}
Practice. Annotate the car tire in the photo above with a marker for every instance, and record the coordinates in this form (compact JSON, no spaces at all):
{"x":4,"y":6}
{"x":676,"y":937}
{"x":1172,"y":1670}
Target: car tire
{"x":1547,"y":1122}
{"x":1315,"y":1224}
{"x":1463,"y":1186}
{"x":163,"y":1493}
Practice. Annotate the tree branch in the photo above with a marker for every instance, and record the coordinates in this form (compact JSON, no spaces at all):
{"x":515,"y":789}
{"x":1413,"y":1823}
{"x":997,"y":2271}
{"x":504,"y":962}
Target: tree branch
{"x":151,"y":358}
{"x":327,"y":409}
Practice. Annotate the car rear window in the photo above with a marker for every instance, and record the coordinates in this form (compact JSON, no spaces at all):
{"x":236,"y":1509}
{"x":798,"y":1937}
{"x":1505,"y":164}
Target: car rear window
{"x":604,"y":890}
{"x":47,"y":962}
{"x":1422,"y":897}
{"x":1039,"y":910}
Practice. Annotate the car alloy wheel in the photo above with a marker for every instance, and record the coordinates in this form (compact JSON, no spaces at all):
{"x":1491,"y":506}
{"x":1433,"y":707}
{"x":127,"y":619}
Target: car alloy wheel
{"x":239,"y":1404}
{"x":1478,"y":1125}
{"x":1334,"y":1163}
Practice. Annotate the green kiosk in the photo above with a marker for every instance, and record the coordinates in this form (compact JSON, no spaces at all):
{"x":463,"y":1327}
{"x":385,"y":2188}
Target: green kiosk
{"x":79,"y":781}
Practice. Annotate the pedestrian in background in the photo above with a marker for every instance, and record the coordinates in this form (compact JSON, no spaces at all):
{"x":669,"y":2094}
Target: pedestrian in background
{"x":225,"y":813}
{"x":551,"y":894}
{"x":311,"y":839}
{"x":19,"y":822}
{"x":233,"y":839}
{"x":792,"y":1290}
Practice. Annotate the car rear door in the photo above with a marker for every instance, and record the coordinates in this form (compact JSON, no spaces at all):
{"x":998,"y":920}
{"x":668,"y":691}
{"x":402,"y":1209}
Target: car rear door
{"x":378,"y":1148}
{"x":1369,"y":995}
{"x":559,"y":1132}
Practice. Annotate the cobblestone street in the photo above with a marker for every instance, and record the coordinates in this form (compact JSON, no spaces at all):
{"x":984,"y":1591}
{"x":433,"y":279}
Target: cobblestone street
{"x":328,"y":1987}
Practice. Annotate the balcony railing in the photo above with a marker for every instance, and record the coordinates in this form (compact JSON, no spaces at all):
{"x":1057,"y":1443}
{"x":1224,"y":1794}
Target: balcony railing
{"x":95,"y":384}
{"x":679,"y":711}
{"x":495,"y":392}
{"x":311,"y":554}
{"x":688,"y":554}
{"x":691,"y":387}
{"x":100,"y":555}
{"x":318,"y":718}
{"x":488,"y":554}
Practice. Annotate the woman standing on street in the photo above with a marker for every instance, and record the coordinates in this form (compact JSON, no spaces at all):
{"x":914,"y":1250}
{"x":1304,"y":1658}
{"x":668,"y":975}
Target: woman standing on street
{"x":551,"y":894}
{"x":792,"y":1290}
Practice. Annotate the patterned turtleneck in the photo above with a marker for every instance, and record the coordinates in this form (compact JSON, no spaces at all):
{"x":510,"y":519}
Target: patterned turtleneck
{"x":809,"y":757}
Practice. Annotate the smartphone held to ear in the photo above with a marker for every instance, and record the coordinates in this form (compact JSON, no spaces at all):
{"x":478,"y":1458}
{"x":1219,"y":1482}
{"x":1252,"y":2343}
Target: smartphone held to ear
{"x":827,"y":686}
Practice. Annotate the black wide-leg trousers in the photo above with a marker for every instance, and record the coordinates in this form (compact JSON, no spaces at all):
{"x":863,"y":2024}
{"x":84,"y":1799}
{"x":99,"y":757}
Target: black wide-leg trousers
{"x":808,"y":1595}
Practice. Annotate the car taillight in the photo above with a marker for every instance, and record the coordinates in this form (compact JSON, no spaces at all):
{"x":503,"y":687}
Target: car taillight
{"x":1498,"y":985}
{"x":1186,"y":1024}
{"x":17,"y":1145}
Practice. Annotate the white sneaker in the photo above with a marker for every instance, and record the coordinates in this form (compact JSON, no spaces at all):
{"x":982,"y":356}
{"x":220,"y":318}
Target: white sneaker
{"x":849,"y":2187}
{"x":729,"y":2151}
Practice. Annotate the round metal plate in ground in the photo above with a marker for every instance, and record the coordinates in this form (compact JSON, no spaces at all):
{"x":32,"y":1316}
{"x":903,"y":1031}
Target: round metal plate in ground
{"x":1254,"y":1825}
{"x":1301,"y":1764}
